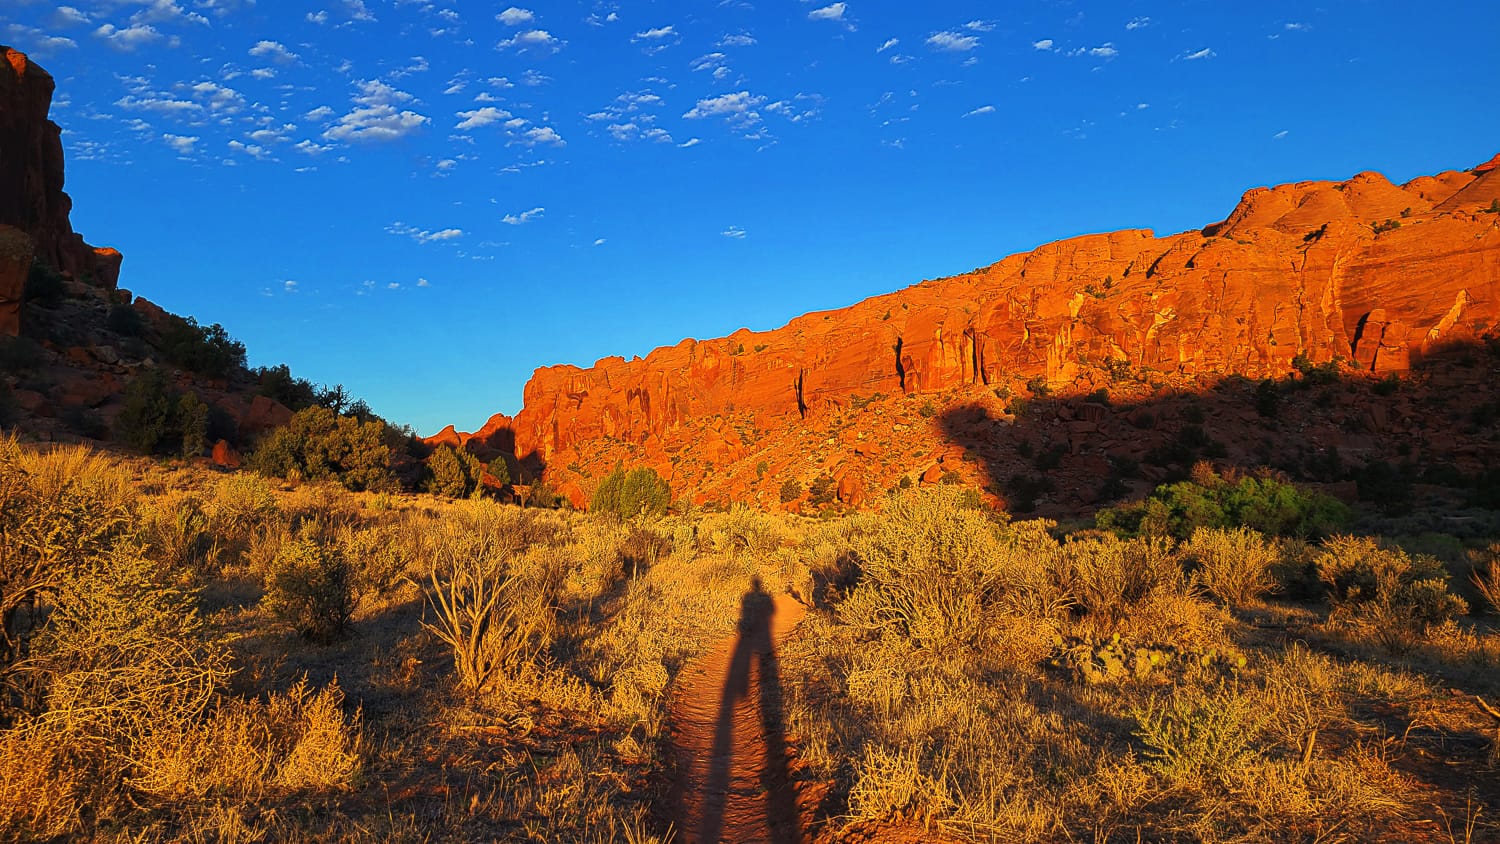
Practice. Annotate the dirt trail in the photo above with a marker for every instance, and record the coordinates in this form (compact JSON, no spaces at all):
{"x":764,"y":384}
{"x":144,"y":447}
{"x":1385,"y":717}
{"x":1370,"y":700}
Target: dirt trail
{"x":732,"y":783}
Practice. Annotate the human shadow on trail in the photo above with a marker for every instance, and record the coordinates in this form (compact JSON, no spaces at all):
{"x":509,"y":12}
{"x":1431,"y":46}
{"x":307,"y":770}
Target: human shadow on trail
{"x":754,"y":644}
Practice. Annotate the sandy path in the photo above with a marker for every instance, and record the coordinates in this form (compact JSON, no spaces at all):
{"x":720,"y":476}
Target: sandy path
{"x":732,"y":783}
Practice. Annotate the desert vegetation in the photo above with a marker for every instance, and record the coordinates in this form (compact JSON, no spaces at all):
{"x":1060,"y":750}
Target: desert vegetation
{"x":200,"y":655}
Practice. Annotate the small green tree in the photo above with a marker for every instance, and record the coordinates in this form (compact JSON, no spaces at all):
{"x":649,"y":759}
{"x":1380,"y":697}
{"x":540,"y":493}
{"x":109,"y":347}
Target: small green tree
{"x":499,"y":470}
{"x":191,"y":422}
{"x":145,"y":420}
{"x":638,"y":492}
{"x":454,"y":473}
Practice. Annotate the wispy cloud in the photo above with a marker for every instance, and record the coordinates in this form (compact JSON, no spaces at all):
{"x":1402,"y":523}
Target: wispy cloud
{"x":523,"y":217}
{"x":952,"y":42}
{"x":889,"y":43}
{"x":1205,"y":53}
{"x":422,"y":235}
{"x":1046,"y":44}
{"x":984,"y":109}
{"x":734,"y":232}
{"x":1138,"y":23}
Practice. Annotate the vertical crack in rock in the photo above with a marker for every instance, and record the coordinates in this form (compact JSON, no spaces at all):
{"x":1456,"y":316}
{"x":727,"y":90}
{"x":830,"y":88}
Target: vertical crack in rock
{"x":900,"y":368}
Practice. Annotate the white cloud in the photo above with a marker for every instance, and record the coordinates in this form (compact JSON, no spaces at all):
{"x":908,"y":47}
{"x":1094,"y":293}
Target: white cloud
{"x":182,"y":143}
{"x":1142,"y":106}
{"x":1104,"y":51}
{"x":599,"y":242}
{"x":523,"y":217}
{"x":39,"y":42}
{"x":740,"y":40}
{"x":357,"y":10}
{"x":656,"y":34}
{"x":952,"y":42}
{"x":160,"y":104}
{"x":307,"y":147}
{"x":69,"y":16}
{"x":164,"y":11}
{"x":289,"y":286}
{"x":542,"y":135}
{"x":515,"y":17}
{"x":317,"y":17}
{"x":1282,"y":134}
{"x":481,"y":117}
{"x":1138,"y":23}
{"x":373,"y":92}
{"x":376,"y":123}
{"x":129,"y":38}
{"x":319,"y":113}
{"x":979,"y":26}
{"x":734,"y":232}
{"x":253,"y":150}
{"x":422,"y":235}
{"x":690,"y":142}
{"x":273,"y":50}
{"x":532,"y":39}
{"x":422,"y":282}
{"x":890,"y":42}
{"x":831,"y":12}
{"x":738,"y":107}
{"x":984,"y":109}
{"x":1297,"y":27}
{"x":1044,"y":44}
{"x":1205,"y":53}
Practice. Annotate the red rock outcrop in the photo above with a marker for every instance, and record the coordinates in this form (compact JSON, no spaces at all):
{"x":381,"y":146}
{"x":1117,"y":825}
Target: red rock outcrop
{"x":1362,"y":269}
{"x":31,"y":174}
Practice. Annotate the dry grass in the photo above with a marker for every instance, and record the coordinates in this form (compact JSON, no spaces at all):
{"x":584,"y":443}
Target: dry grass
{"x":505,"y":673}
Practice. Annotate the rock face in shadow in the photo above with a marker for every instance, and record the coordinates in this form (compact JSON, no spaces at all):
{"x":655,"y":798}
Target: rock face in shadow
{"x":31,"y":175}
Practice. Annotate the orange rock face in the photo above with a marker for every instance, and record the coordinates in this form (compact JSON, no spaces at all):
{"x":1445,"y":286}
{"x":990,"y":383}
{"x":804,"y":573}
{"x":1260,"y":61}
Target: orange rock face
{"x":1295,"y":269}
{"x":31,"y":174}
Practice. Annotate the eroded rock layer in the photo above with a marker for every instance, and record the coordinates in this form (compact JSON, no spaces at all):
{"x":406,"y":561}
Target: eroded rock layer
{"x":31,"y":175}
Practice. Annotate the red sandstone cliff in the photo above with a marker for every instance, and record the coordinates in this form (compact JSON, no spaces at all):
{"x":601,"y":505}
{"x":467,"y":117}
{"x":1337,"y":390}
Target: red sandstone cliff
{"x":1295,"y":268}
{"x":31,"y":184}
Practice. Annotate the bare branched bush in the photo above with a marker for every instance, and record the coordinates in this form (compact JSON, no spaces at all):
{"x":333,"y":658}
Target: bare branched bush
{"x":1112,"y":577}
{"x":1486,"y":575}
{"x":1232,"y":564}
{"x":496,"y":617}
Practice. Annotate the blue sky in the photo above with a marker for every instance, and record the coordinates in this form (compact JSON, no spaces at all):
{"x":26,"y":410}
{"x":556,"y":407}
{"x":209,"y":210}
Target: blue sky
{"x":426,"y":201}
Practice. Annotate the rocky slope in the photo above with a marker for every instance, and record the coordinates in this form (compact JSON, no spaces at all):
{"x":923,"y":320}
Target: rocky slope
{"x":1380,"y":275}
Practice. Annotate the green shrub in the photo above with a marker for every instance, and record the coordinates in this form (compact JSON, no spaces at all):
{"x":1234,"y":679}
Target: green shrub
{"x":146,"y":416}
{"x":124,"y":321}
{"x":499,"y":470}
{"x":791,"y":490}
{"x":638,"y":492}
{"x":454,"y":473}
{"x":822,"y":490}
{"x":1195,"y":735}
{"x":1397,"y":595}
{"x":277,"y":382}
{"x":206,"y":350}
{"x":318,"y":445}
{"x":310,"y":587}
{"x":44,"y":284}
{"x":156,"y":419}
{"x":1270,"y":506}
